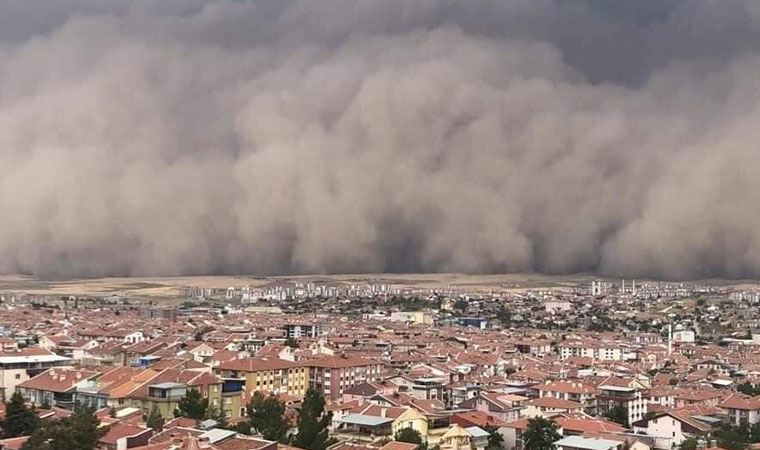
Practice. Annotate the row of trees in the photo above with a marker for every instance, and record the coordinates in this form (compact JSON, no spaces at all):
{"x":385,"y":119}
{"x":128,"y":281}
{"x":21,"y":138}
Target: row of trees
{"x":266,"y":416}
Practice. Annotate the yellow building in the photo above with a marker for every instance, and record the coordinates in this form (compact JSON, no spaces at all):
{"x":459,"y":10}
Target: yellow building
{"x":268,"y":375}
{"x":374,"y":422}
{"x":166,"y":390}
{"x":411,"y":418}
{"x":456,"y":438}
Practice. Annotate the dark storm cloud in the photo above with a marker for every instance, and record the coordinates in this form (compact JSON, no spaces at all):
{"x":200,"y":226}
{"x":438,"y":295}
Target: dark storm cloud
{"x":186,"y":137}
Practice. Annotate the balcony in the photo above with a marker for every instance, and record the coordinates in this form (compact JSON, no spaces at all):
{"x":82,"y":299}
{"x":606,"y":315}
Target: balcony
{"x":166,"y":392}
{"x":232,"y":386}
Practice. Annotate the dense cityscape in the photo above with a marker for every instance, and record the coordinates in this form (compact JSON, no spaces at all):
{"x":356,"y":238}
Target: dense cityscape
{"x":593,"y":365}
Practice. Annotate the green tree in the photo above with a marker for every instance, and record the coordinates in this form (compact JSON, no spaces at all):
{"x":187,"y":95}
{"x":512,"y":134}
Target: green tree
{"x":54,"y":436}
{"x":243,"y":427}
{"x":292,"y":343}
{"x":192,"y":405}
{"x":754,"y":433}
{"x":690,"y":443}
{"x":155,"y":420}
{"x":495,"y":439}
{"x":266,"y":415}
{"x":408,"y":435}
{"x":618,"y":414}
{"x":202,"y":332}
{"x":19,"y":419}
{"x":540,"y":434}
{"x":80,"y":431}
{"x":313,"y":422}
{"x":85,"y":427}
{"x":748,"y":388}
{"x":217,"y":415}
{"x":732,"y":437}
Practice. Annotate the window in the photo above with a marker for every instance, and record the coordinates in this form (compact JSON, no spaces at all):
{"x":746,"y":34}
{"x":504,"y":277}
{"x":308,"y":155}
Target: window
{"x":18,"y":376}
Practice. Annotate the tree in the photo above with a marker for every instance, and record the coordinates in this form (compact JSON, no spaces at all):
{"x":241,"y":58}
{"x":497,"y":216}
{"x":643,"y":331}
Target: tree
{"x":690,"y":443}
{"x":80,"y":431}
{"x":202,"y":332}
{"x":313,"y":422}
{"x":243,"y":427}
{"x":618,"y":414}
{"x":85,"y":427}
{"x":217,"y":415}
{"x":54,"y":436}
{"x":495,"y":439}
{"x":292,"y":343}
{"x":155,"y":420}
{"x":409,"y":435}
{"x":748,"y":388}
{"x":192,"y":405}
{"x":19,"y":419}
{"x":540,"y":434}
{"x":266,"y":415}
{"x":732,"y":437}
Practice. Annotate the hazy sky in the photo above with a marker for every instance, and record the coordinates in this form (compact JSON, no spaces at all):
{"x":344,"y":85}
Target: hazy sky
{"x":299,"y":136}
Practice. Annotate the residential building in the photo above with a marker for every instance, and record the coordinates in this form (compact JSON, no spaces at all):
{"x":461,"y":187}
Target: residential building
{"x":18,"y":367}
{"x":630,"y":398}
{"x":742,"y":409}
{"x":575,"y":391}
{"x":55,"y":387}
{"x":268,"y":375}
{"x":332,"y":375}
{"x":301,"y":330}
